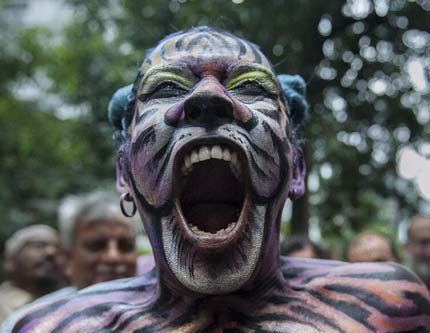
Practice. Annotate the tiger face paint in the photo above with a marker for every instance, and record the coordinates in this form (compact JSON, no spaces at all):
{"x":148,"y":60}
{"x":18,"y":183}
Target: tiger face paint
{"x":207,"y":154}
{"x":210,"y":159}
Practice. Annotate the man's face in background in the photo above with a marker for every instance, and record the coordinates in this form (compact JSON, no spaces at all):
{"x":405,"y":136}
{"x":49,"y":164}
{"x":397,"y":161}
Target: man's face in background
{"x":419,"y":247}
{"x":371,"y":247}
{"x":38,"y":263}
{"x":102,"y":250}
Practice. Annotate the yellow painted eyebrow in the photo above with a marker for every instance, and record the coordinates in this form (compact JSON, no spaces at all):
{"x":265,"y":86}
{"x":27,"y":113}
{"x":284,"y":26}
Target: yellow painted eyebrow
{"x":157,"y":75}
{"x":256,"y":74}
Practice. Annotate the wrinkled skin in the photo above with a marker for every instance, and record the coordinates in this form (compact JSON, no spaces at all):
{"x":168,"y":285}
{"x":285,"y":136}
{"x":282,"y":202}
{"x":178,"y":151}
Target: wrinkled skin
{"x":205,"y":88}
{"x":102,"y":250}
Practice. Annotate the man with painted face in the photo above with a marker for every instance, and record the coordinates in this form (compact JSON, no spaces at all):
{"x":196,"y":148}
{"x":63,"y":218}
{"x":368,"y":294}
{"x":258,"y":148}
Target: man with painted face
{"x":208,"y":152}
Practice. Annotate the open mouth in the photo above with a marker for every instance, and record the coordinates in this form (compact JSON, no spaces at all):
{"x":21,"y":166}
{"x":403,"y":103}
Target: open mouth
{"x":211,"y":193}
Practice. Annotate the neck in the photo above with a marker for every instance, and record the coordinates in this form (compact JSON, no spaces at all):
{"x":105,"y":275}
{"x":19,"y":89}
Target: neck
{"x":35,"y":288}
{"x":266,"y":280}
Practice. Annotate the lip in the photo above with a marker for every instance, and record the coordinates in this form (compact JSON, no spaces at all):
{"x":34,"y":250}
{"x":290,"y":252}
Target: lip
{"x":207,"y":240}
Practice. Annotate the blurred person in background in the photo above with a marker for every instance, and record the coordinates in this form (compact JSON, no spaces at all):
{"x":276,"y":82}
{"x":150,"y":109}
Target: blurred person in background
{"x":418,"y":247}
{"x":98,"y":240}
{"x":32,"y":264}
{"x":302,"y":247}
{"x":372,"y":246}
{"x":98,"y":244}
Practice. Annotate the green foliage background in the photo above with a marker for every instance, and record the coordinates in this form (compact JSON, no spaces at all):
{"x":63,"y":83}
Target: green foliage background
{"x":45,"y":156}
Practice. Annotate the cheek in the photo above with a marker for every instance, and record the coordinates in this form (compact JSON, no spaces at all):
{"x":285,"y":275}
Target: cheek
{"x":150,"y":159}
{"x":84,"y":257}
{"x":129,"y":257}
{"x":270,"y":163}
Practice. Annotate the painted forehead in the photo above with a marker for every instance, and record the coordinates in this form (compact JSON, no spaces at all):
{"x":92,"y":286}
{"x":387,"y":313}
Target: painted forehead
{"x":201,"y":46}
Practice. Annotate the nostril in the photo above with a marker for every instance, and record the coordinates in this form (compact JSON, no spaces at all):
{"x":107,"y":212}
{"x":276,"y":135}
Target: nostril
{"x":223,"y":111}
{"x":208,"y":108}
{"x":194,"y":113}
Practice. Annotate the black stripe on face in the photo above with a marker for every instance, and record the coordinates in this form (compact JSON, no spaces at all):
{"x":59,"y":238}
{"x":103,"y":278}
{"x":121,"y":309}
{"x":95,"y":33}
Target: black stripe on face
{"x":178,"y":43}
{"x":259,"y":171}
{"x":194,"y":41}
{"x":163,"y":51}
{"x":258,"y":150}
{"x":354,"y":311}
{"x":274,"y":114}
{"x":257,"y":56}
{"x":145,"y":114}
{"x":158,"y":156}
{"x":224,"y":41}
{"x":242,"y":48}
{"x":146,"y":137}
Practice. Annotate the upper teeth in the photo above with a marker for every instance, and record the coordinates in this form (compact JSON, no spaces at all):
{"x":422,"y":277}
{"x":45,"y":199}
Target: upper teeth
{"x":207,"y":152}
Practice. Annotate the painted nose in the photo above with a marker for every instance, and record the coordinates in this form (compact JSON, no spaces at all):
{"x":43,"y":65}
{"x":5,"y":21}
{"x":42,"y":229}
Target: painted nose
{"x":207,"y":108}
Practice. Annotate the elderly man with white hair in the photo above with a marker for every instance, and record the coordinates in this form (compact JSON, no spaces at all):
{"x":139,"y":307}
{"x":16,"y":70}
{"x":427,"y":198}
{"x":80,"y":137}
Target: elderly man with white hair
{"x":98,"y":240}
{"x":32,"y":265}
{"x":98,"y":244}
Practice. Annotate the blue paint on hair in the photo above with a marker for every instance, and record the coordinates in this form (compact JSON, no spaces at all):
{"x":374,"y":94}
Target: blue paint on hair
{"x":119,"y":113}
{"x":294,"y":88}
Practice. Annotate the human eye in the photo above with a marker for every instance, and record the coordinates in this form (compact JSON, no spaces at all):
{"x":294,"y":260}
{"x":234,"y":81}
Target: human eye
{"x":251,"y":88}
{"x":166,"y":89}
{"x":126,"y":245}
{"x":95,"y":244}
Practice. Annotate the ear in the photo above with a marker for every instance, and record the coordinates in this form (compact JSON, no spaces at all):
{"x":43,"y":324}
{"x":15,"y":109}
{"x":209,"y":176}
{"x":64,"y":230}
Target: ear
{"x":122,"y":185}
{"x":297,"y":184}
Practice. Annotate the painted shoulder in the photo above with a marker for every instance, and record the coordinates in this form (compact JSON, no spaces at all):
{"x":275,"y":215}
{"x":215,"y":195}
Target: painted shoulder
{"x":386,"y":297}
{"x":91,"y":309}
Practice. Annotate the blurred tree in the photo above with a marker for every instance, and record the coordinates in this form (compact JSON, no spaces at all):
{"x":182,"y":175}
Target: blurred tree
{"x":354,"y":54}
{"x":371,"y":106}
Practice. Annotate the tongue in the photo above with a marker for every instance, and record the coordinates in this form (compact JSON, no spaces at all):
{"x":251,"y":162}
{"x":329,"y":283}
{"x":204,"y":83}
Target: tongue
{"x":211,"y":217}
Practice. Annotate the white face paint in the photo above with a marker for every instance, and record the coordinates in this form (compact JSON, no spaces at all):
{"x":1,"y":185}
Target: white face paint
{"x":210,"y":158}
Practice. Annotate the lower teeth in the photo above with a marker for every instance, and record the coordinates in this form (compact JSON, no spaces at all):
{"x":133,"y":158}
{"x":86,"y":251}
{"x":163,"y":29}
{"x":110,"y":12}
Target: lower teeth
{"x":226,"y":230}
